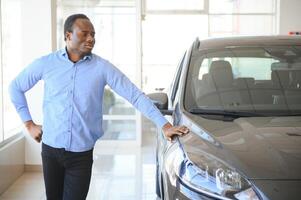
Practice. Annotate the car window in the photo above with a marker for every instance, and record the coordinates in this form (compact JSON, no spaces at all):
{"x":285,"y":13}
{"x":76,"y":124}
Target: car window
{"x":260,"y":69}
{"x":264,"y":80}
{"x":176,"y":80}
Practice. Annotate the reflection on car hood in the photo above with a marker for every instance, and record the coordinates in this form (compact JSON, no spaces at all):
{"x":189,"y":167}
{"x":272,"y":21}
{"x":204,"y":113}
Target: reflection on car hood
{"x":279,"y":189}
{"x":258,"y":147}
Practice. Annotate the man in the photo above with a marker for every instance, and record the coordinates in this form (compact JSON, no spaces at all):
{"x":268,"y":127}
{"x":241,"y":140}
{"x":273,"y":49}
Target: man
{"x":74,"y":81}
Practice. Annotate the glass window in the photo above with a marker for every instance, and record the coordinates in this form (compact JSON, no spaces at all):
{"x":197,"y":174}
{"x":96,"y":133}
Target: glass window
{"x":166,"y":35}
{"x":242,"y":17}
{"x":113,"y":104}
{"x":96,"y":3}
{"x":119,"y":130}
{"x":241,"y":6}
{"x":175,"y":82}
{"x":174,"y":4}
{"x":11,"y":60}
{"x":224,"y":25}
{"x":165,"y":38}
{"x":264,"y":80}
{"x":259,"y":69}
{"x":204,"y":68}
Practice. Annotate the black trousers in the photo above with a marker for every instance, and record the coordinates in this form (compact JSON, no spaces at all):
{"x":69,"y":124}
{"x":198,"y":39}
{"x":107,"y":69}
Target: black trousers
{"x":67,"y":174}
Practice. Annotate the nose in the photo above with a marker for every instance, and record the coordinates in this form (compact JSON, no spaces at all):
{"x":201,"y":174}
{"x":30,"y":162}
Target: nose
{"x":90,"y":38}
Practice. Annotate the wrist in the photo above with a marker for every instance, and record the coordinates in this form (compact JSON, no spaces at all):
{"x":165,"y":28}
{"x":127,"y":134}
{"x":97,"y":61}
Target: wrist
{"x":29,"y":124}
{"x":166,"y":126}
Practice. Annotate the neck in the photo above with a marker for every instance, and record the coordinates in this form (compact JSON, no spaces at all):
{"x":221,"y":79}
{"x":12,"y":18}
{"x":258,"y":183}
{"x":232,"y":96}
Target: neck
{"x":74,"y":56}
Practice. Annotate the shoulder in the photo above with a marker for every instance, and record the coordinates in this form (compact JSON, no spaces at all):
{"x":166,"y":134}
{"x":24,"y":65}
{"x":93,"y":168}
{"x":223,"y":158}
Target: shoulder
{"x":106,"y":68}
{"x":40,"y":64}
{"x":49,"y":57}
{"x":102,"y":62}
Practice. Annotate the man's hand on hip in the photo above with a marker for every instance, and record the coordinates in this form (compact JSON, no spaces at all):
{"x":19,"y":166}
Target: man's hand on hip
{"x":171,"y":131}
{"x":34,"y":130}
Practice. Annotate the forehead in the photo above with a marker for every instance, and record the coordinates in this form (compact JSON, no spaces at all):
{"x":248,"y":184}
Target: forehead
{"x":83,"y":25}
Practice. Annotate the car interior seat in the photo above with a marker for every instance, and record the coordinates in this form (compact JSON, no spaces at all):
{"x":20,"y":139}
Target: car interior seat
{"x":218,"y":88}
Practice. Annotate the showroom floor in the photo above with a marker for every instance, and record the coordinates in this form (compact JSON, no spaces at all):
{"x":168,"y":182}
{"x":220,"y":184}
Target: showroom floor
{"x":125,"y":173}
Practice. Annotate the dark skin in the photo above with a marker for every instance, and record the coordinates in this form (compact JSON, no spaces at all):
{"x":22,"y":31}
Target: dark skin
{"x":80,"y":43}
{"x":81,"y":40}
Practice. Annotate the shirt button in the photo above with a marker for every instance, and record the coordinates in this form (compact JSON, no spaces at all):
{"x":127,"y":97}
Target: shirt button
{"x":71,"y":77}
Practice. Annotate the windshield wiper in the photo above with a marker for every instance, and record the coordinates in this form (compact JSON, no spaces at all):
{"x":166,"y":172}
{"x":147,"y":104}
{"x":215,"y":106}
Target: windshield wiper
{"x":234,"y":114}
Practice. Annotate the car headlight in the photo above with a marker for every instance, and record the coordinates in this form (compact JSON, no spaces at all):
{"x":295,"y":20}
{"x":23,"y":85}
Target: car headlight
{"x":210,"y":176}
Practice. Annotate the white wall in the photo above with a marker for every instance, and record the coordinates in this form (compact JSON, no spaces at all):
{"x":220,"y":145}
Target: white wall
{"x":11,"y":162}
{"x":289,"y":16}
{"x":36,"y":17}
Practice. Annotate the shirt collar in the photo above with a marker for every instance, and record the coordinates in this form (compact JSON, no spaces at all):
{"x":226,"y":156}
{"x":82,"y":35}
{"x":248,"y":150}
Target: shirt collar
{"x":64,"y":53}
{"x":88,"y":57}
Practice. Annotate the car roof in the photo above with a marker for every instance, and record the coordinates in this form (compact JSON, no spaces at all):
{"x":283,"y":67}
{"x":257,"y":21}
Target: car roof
{"x":248,"y":41}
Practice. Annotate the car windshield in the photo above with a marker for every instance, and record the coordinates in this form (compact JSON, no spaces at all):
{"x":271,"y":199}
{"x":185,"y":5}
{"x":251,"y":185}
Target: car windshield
{"x":261,"y":80}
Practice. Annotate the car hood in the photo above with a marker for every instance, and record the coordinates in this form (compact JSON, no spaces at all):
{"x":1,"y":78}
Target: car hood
{"x":259,"y":147}
{"x":278,"y":189}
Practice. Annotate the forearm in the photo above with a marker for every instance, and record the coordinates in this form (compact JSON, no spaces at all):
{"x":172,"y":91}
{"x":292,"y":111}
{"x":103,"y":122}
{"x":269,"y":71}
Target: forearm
{"x":149,"y":110}
{"x":18,"y":99}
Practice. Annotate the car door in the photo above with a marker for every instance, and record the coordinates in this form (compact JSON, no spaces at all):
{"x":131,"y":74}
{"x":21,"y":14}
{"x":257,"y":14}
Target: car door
{"x":162,"y":143}
{"x":171,"y":101}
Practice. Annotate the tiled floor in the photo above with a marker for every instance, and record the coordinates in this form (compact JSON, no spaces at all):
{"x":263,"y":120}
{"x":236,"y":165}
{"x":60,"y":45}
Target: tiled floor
{"x":28,"y":186}
{"x":118,"y":174}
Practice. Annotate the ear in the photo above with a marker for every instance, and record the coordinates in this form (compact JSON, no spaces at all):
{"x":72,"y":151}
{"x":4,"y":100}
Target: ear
{"x":68,"y":36}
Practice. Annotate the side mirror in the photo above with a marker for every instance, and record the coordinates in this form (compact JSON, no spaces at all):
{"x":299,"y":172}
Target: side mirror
{"x":161,"y":102}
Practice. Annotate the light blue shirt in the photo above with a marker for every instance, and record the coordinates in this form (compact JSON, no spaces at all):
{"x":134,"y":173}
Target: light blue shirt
{"x":73,"y":95}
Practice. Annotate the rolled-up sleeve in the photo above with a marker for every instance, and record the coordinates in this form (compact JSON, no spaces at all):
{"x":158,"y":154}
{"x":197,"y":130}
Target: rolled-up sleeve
{"x":22,"y":83}
{"x":125,"y":88}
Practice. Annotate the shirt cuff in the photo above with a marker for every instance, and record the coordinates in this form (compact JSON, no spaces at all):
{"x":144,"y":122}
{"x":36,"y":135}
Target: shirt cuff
{"x":25,"y":115}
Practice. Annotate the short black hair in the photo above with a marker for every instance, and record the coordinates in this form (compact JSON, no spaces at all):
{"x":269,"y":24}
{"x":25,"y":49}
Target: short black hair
{"x":68,"y":26}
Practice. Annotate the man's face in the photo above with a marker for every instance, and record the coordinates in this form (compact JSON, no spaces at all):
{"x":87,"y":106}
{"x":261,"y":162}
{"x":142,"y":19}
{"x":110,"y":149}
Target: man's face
{"x":81,"y":40}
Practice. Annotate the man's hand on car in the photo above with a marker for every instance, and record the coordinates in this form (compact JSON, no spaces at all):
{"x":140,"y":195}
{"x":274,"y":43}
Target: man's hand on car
{"x":170,"y":131}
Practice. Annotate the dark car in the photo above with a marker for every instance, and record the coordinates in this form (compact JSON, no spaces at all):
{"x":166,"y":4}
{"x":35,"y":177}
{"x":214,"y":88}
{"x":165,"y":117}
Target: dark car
{"x":241,"y":99}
